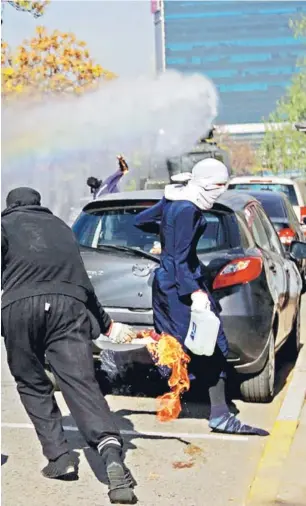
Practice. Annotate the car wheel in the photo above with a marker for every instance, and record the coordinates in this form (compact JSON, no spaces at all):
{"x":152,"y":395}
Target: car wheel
{"x":292,"y":346}
{"x":260,"y":388}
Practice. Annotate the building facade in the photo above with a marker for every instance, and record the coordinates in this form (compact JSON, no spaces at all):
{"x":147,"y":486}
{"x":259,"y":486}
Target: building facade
{"x":246,"y":47}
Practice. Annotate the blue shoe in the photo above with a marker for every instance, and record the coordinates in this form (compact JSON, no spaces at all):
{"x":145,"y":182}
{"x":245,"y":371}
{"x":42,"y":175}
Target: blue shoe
{"x":229,"y":424}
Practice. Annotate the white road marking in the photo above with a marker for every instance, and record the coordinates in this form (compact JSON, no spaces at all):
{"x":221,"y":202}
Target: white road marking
{"x":173,"y":435}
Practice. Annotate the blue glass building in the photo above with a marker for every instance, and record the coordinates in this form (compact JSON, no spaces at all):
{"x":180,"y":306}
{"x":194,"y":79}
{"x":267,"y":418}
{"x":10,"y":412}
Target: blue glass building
{"x":246,"y":47}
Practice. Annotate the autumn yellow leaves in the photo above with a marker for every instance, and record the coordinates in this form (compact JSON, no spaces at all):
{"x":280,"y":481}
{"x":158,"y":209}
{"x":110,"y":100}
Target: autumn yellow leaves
{"x":49,"y":63}
{"x":37,"y":9}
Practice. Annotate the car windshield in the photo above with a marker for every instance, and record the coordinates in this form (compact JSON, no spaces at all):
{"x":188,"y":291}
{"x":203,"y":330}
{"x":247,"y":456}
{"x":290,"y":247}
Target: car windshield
{"x":273,"y":207}
{"x":115,"y":227}
{"x":287,"y":189}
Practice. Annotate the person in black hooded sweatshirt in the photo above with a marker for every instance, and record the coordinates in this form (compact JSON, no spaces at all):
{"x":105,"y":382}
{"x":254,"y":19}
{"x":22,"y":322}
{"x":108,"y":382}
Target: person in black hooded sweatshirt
{"x":49,"y":308}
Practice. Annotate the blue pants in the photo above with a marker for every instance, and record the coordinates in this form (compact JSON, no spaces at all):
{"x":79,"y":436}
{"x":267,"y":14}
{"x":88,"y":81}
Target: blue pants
{"x":172,"y":316}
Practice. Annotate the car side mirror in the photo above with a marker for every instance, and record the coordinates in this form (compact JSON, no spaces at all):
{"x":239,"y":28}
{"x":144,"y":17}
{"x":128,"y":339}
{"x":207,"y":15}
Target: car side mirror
{"x":303,"y":220}
{"x":298,"y":250}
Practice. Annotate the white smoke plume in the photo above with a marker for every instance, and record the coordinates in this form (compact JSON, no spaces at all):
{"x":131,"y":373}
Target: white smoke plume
{"x":56,"y":145}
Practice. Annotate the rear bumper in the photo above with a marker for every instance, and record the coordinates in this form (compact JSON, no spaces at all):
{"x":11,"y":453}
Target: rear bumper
{"x":141,"y":355}
{"x":247,"y":316}
{"x":138,"y":319}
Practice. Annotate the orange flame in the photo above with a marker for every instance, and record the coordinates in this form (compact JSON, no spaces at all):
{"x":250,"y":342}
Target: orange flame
{"x":168,"y":352}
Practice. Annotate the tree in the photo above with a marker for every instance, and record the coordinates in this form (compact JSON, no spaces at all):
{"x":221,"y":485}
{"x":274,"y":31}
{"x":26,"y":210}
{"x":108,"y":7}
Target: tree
{"x":283,"y":147}
{"x":37,"y":9}
{"x":49,"y":63}
{"x":241,"y":153}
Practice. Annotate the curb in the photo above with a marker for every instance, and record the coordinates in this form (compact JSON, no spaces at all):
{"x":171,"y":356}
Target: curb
{"x":268,"y":476}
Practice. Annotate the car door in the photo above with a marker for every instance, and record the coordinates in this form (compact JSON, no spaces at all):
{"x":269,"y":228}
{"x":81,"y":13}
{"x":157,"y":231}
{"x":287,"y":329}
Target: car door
{"x":273,"y":264}
{"x":291,"y":272}
{"x":295,"y":224}
{"x":293,"y":221}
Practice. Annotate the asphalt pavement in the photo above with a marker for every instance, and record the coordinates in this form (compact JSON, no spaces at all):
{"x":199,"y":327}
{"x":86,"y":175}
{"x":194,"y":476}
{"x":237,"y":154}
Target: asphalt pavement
{"x":175,"y":463}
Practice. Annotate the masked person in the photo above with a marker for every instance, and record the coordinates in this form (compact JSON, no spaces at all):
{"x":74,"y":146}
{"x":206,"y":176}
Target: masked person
{"x":179,"y":287}
{"x":110,"y":185}
{"x":49,"y":308}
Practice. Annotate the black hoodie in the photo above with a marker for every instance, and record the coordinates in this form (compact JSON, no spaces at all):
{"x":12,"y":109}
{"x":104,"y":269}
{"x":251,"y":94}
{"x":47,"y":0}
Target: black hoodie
{"x":40,"y":255}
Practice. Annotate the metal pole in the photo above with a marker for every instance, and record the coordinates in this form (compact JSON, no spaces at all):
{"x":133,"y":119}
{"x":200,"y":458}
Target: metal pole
{"x":2,"y":10}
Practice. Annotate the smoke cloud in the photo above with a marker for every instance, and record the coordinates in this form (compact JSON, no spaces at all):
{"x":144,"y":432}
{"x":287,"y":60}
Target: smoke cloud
{"x":55,"y":145}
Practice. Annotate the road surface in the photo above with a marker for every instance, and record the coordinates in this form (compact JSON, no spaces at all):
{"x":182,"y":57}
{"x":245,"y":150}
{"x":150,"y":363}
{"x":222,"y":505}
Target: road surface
{"x":175,"y":463}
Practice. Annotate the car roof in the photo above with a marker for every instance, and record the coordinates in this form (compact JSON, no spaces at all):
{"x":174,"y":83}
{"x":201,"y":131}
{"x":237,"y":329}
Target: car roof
{"x":233,"y":200}
{"x":263,"y":179}
{"x":155,"y":194}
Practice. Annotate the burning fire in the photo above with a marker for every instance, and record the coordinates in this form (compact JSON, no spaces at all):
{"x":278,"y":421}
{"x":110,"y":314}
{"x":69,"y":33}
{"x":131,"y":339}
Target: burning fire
{"x":167,"y":351}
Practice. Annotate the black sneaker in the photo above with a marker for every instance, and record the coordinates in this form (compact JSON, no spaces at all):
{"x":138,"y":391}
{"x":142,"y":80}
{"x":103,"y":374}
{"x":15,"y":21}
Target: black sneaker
{"x":120,"y":480}
{"x":122,"y":496}
{"x":63,"y":468}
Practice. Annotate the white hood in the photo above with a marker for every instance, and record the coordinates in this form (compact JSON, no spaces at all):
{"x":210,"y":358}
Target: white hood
{"x":200,"y":185}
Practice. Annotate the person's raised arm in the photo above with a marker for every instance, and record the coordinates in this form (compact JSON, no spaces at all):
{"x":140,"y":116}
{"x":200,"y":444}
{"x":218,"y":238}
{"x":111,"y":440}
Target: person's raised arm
{"x":110,"y":184}
{"x":149,"y":219}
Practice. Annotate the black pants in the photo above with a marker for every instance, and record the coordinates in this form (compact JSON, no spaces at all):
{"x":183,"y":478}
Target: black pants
{"x":208,"y":370}
{"x":63,"y":334}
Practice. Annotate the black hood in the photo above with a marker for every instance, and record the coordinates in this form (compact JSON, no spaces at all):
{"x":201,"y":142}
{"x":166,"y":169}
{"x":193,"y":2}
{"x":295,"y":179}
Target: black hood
{"x":23,"y":197}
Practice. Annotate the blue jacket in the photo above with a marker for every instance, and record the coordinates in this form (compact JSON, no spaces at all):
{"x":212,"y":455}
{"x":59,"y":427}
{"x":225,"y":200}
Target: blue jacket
{"x":109,"y":185}
{"x":180,"y":225}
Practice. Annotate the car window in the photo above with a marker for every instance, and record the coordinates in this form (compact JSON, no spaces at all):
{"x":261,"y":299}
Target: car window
{"x":116,"y":227}
{"x":112,"y":227}
{"x":292,"y":216}
{"x":214,"y":236}
{"x":245,"y":234}
{"x":287,"y":189}
{"x":273,"y":207}
{"x":275,"y":243}
{"x":302,"y":189}
{"x":257,"y":228}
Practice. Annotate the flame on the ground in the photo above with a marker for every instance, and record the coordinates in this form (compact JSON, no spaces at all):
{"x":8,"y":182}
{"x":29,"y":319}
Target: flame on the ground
{"x":167,"y":351}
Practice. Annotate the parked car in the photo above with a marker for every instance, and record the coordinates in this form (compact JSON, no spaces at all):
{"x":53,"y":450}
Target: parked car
{"x":257,"y":286}
{"x":294,"y":189}
{"x":283,"y":217}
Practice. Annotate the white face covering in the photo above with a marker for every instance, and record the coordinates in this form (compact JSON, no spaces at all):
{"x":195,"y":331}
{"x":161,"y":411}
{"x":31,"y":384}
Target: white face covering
{"x":200,"y":186}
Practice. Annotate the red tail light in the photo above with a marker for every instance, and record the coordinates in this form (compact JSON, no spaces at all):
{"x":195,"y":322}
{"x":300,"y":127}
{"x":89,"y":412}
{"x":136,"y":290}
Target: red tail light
{"x":237,"y":272}
{"x":286,"y":236}
{"x":303,"y":216}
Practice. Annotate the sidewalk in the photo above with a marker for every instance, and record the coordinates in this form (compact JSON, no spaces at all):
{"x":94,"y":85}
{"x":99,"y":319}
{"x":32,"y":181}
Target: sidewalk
{"x":280,"y":476}
{"x":292,"y":491}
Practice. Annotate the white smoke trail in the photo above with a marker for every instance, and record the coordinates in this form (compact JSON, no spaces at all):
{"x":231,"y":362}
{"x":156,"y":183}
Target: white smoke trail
{"x":71,"y":138}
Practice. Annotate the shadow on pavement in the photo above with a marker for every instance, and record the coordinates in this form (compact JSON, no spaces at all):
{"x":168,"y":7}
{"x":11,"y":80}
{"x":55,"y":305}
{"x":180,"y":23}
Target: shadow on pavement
{"x":134,"y":374}
{"x":77,"y":443}
{"x":140,"y":378}
{"x":143,"y":380}
{"x":281,"y":502}
{"x":283,"y":368}
{"x":4,"y":459}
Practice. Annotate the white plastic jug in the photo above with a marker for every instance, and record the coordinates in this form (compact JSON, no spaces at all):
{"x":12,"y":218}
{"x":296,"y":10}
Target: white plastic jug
{"x":202,"y":333}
